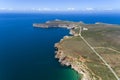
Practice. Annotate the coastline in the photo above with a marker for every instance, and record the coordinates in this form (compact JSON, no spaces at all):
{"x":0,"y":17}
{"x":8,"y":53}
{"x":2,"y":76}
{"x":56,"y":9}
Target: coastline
{"x":78,"y":66}
{"x":75,"y":52}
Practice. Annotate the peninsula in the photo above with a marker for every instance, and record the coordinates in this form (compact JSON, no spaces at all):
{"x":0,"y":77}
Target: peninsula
{"x":93,"y":50}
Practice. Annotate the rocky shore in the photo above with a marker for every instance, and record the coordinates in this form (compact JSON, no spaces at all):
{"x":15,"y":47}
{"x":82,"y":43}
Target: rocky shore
{"x":75,"y":63}
{"x":57,"y":24}
{"x":74,"y":52}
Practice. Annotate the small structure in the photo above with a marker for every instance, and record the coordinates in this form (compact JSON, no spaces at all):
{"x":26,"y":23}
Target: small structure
{"x":85,"y":29}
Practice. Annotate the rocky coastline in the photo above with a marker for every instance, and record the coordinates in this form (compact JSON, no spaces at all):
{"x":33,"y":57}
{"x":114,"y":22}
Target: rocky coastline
{"x":72,"y":50}
{"x":57,"y":24}
{"x":74,"y":63}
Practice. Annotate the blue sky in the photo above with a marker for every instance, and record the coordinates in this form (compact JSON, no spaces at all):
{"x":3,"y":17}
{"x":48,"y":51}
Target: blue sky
{"x":59,"y":5}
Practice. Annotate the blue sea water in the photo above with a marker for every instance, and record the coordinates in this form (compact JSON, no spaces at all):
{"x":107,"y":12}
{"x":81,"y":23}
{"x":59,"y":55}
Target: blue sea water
{"x":27,"y":53}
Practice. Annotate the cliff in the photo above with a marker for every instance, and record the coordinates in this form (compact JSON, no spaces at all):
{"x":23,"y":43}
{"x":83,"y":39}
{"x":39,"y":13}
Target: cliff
{"x":75,"y":63}
{"x":57,"y":23}
{"x":73,"y":50}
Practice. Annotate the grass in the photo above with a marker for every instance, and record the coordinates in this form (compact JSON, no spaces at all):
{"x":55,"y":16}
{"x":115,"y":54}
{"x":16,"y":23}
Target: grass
{"x":112,"y":58}
{"x":75,"y":47}
{"x":101,"y":70}
{"x":99,"y":35}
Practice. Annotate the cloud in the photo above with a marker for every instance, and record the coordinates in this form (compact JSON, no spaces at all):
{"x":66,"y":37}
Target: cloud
{"x":46,"y":9}
{"x":70,"y":8}
{"x":56,"y":9}
{"x":33,"y":8}
{"x":7,"y":9}
{"x":109,"y":9}
{"x":10,"y":9}
{"x":41,"y":9}
{"x":36,"y":9}
{"x":90,"y":9}
{"x":2,"y":8}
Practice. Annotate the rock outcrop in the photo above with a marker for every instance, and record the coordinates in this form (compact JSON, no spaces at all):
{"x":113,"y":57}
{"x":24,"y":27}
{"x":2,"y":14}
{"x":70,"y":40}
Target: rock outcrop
{"x":76,"y":64}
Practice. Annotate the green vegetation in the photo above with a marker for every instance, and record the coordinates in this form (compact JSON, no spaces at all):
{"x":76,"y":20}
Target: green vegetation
{"x":106,"y":41}
{"x":96,"y":48}
{"x":112,"y":57}
{"x":101,"y":70}
{"x":75,"y":47}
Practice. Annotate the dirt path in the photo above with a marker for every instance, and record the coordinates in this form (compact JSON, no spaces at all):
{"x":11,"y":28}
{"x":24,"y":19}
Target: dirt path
{"x":93,"y":49}
{"x":108,"y":49}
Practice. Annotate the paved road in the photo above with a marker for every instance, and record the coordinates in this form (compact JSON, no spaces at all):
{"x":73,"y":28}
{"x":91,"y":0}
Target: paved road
{"x":100,"y":57}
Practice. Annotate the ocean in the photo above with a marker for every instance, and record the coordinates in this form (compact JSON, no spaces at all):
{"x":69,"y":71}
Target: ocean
{"x":27,"y":53}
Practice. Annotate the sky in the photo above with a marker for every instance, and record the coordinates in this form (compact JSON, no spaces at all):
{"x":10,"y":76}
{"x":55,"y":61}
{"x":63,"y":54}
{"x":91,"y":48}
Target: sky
{"x":59,"y":5}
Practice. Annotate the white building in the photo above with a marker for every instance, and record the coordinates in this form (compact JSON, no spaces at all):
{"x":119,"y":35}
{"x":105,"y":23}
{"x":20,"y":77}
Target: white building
{"x":85,"y":29}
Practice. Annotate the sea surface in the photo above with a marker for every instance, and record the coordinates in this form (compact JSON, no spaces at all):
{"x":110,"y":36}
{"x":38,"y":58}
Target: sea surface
{"x":27,"y":53}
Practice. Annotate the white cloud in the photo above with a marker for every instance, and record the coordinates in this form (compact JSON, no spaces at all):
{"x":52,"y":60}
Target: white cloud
{"x":33,"y":9}
{"x":2,"y":8}
{"x":39,"y":9}
{"x":57,"y":9}
{"x":46,"y":9}
{"x":109,"y":9}
{"x":70,"y":8}
{"x":10,"y":9}
{"x":89,"y":9}
{"x":36,"y":9}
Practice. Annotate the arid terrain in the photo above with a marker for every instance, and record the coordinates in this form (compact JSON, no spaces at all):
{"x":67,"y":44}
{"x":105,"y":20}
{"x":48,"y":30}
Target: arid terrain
{"x":93,"y":50}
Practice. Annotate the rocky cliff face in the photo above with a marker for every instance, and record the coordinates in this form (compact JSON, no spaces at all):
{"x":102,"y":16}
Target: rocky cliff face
{"x":76,"y":64}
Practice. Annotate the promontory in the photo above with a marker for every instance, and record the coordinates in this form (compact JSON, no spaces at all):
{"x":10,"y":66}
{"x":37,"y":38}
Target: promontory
{"x":93,"y":50}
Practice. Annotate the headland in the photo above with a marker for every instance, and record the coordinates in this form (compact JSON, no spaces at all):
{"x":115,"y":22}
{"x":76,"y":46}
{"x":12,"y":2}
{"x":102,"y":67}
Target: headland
{"x":93,"y":50}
